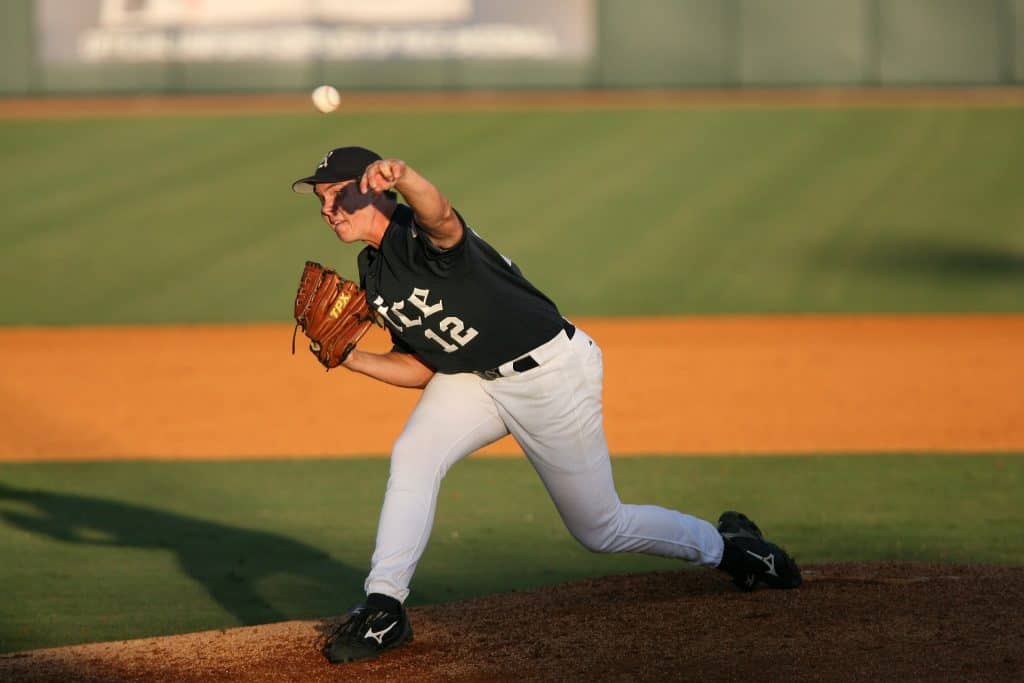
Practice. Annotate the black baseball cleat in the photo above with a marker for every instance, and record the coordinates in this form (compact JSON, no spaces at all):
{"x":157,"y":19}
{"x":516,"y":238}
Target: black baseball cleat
{"x":378,"y":625}
{"x":750,"y":559}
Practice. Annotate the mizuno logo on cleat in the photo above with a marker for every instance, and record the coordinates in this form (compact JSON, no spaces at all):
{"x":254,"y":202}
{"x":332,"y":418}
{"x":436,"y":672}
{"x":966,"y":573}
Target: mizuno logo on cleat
{"x":769,"y":561}
{"x":379,"y":635}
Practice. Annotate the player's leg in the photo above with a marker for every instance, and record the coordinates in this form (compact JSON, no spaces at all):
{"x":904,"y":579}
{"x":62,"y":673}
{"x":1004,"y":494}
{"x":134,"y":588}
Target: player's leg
{"x":554,"y":411}
{"x":453,"y":418}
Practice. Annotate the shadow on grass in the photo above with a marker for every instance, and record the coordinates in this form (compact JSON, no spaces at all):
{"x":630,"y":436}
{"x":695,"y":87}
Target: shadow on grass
{"x":227,"y":561}
{"x":946,"y":259}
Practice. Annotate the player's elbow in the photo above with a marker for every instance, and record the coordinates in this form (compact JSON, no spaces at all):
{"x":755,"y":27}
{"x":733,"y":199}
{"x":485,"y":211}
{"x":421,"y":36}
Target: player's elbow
{"x":444,"y":226}
{"x":444,"y":212}
{"x":423,"y":380}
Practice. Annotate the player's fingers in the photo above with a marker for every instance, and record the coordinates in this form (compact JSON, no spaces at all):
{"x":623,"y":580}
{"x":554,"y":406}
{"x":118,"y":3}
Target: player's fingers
{"x":398,"y":168}
{"x":387,"y":171}
{"x":377,"y":181}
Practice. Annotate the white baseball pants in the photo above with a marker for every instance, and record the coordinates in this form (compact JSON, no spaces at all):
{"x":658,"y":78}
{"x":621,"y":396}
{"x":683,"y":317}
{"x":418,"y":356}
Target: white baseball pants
{"x":554,"y":412}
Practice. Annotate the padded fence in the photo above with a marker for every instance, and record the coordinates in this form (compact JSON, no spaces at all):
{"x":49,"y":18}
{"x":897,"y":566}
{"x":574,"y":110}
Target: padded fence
{"x":55,"y":46}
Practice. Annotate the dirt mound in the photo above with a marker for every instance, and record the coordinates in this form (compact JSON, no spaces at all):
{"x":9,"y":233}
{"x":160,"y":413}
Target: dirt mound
{"x":848,"y":622}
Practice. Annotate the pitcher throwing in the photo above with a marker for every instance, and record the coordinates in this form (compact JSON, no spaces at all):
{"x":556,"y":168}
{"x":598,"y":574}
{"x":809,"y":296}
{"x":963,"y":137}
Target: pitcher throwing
{"x":493,"y":356}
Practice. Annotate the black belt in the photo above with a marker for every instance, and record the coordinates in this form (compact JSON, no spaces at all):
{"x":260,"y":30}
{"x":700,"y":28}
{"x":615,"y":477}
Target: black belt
{"x":523,"y":363}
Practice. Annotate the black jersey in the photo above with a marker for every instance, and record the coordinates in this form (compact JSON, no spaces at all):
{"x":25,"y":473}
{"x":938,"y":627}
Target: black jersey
{"x":462,"y":309}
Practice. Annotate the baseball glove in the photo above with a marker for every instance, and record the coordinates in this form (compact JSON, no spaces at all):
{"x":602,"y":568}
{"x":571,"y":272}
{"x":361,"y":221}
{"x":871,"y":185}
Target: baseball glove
{"x":332,"y":312}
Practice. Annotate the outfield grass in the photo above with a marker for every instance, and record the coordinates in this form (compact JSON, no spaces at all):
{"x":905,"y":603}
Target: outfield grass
{"x":190,"y":219}
{"x":116,"y":550}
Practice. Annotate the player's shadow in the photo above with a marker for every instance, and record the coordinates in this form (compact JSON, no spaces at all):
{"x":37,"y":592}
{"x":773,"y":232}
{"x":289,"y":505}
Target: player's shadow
{"x":227,"y":561}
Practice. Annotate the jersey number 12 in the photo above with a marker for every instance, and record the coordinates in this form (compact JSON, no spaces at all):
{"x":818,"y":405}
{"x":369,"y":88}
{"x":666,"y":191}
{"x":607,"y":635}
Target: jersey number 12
{"x":456,"y":329}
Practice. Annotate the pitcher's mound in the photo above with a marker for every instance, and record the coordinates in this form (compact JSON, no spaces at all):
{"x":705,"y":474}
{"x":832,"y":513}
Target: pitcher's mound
{"x":847,"y":622}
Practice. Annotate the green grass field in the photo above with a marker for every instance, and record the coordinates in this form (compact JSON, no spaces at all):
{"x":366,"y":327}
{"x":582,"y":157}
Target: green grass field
{"x":190,"y":219}
{"x":117,"y":550}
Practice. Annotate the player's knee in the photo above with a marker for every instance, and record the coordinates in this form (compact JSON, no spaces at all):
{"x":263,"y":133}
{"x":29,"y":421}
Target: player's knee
{"x":403,"y":456}
{"x":412,"y":458}
{"x":596,"y":540}
{"x":599,"y":530}
{"x":599,"y":544}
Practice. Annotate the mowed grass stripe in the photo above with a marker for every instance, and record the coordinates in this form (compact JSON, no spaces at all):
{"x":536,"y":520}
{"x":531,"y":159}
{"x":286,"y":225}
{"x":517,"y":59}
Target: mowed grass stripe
{"x":190,"y":219}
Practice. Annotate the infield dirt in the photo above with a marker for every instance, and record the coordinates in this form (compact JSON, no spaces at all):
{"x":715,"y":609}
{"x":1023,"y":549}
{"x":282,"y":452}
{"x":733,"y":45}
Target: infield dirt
{"x":505,"y":100}
{"x":785,"y":384}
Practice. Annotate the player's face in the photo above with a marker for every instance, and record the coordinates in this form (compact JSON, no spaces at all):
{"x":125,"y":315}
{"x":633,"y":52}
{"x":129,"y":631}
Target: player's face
{"x":345,"y":209}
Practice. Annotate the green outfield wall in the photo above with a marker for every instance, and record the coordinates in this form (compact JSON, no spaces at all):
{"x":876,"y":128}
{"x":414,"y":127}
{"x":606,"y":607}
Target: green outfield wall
{"x":53,"y":46}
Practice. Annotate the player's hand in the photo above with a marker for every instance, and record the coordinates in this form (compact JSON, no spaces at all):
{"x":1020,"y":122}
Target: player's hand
{"x":382,"y":175}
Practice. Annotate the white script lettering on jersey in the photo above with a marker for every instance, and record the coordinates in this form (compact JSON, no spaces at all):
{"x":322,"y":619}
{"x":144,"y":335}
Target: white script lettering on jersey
{"x":453,"y":332}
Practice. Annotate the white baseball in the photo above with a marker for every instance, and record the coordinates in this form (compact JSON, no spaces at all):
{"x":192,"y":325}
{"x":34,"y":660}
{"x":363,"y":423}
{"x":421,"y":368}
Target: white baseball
{"x":326,"y":98}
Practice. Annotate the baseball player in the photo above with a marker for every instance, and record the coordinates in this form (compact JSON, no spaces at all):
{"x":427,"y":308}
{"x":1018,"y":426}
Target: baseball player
{"x":493,"y":356}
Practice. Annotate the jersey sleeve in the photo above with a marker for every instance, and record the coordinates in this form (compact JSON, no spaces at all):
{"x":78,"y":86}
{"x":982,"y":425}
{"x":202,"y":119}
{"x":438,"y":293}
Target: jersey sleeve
{"x":399,"y":346}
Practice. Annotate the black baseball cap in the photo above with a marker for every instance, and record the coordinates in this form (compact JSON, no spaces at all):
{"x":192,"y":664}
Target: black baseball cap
{"x":343,"y":163}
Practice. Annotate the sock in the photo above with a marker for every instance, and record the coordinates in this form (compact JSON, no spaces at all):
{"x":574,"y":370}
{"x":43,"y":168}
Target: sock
{"x":383,"y":602}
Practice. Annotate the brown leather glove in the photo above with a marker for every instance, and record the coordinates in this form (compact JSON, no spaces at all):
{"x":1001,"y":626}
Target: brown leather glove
{"x":332,"y":312}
